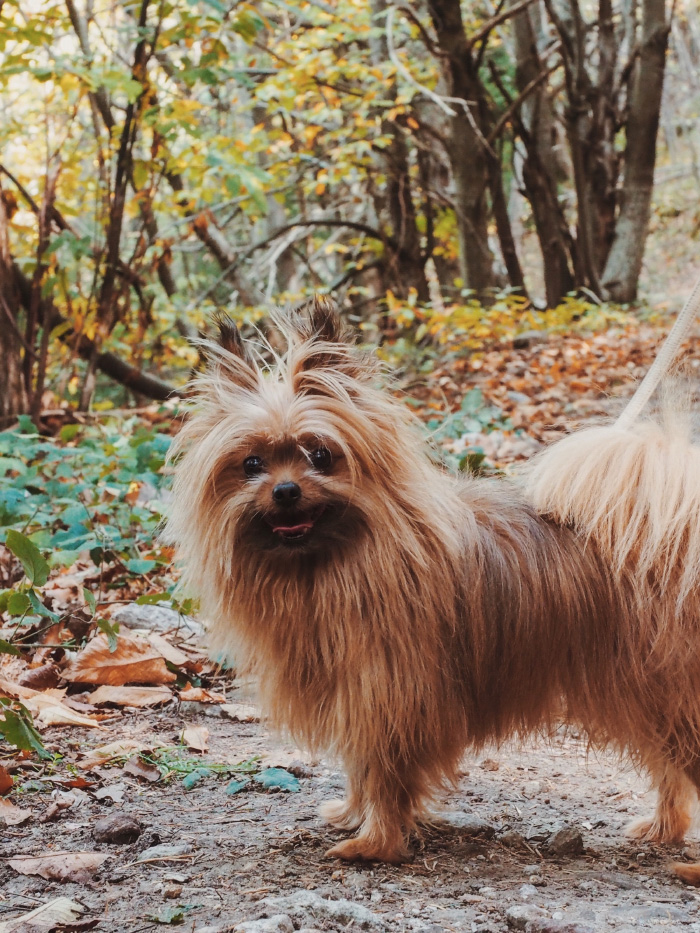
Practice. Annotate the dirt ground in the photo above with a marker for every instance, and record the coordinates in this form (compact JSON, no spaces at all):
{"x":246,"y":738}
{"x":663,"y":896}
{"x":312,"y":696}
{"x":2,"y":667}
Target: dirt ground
{"x":255,"y":861}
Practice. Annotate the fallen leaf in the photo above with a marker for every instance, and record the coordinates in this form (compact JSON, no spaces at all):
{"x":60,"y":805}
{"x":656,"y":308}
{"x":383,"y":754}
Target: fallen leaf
{"x":200,"y":695}
{"x":60,"y":866}
{"x":45,"y":918}
{"x":114,"y":792}
{"x":194,"y":777}
{"x":163,"y":647}
{"x":13,"y":815}
{"x":47,"y":675}
{"x":140,"y":768}
{"x":131,"y":696}
{"x":134,"y":661}
{"x":50,"y":711}
{"x":6,"y":780}
{"x":105,"y":753}
{"x":195,"y":737}
{"x":8,"y":688}
{"x":277,"y":777}
{"x":241,"y":712}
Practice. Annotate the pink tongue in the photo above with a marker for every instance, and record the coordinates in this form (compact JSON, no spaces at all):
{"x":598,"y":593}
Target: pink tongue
{"x":293,"y":529}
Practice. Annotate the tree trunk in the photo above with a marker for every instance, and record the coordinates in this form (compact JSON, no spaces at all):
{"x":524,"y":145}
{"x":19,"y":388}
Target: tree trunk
{"x":540,"y":168}
{"x":13,"y":395}
{"x":468,"y":157}
{"x":624,"y":263}
{"x":405,"y":266}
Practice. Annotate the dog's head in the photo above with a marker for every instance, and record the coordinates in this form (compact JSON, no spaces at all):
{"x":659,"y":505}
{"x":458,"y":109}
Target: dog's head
{"x":296,"y":456}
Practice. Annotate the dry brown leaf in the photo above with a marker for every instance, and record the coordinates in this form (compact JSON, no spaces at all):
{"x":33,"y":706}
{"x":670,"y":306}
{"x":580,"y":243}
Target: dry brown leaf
{"x":241,"y":712}
{"x":50,"y":711}
{"x":105,"y":753}
{"x":6,"y":780}
{"x":134,"y":661}
{"x":140,"y":768}
{"x":163,"y":647}
{"x":196,"y":737}
{"x":43,"y":919}
{"x":200,"y":695}
{"x":12,"y":815}
{"x":131,"y":696}
{"x":60,"y":866}
{"x":46,"y":675}
{"x":9,"y":688}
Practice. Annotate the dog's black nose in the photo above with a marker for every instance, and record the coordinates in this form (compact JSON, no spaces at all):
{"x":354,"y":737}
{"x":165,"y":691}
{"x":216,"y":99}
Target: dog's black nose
{"x":286,"y":493}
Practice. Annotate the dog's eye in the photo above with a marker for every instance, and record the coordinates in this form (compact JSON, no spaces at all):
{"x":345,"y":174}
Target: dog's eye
{"x":321,"y":459}
{"x":252,"y":466}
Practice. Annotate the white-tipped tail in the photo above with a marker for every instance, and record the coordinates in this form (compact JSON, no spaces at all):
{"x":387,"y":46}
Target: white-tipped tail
{"x":635,"y":491}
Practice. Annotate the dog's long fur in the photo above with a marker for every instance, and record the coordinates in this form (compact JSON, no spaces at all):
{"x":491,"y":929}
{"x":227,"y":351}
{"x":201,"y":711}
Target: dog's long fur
{"x":424,"y":614}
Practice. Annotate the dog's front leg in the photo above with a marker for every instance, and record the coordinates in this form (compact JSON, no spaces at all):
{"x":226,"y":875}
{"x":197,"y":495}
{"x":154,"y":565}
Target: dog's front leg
{"x":381,"y":801}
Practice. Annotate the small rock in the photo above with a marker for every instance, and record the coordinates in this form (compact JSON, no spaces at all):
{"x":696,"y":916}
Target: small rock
{"x":240,"y":712}
{"x":117,"y":828}
{"x":566,"y":841}
{"x":280,"y":923}
{"x":172,"y":891}
{"x":470,"y":825}
{"x":520,"y":916}
{"x":527,"y":891}
{"x":158,"y":618}
{"x":164,"y":852}
{"x":489,"y":764}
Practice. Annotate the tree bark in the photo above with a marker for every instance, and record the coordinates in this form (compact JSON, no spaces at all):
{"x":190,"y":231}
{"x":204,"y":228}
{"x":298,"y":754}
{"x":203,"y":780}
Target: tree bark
{"x":13,"y":396}
{"x":466,"y":150}
{"x":624,"y":264}
{"x":405,"y":267}
{"x":540,"y":168}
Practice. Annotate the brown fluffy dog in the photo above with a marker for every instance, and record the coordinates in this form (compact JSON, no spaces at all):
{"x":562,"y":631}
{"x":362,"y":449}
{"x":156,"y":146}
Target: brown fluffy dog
{"x":396,"y":615}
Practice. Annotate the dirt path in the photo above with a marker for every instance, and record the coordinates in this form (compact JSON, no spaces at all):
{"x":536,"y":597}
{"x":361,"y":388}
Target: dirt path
{"x":258,"y":855}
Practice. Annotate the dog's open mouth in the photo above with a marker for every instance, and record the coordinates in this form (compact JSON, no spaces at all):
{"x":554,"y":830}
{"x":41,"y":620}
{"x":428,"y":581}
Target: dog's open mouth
{"x":294,"y":527}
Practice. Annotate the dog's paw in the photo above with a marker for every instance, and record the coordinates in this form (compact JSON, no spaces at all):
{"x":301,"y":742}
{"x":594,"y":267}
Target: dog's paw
{"x":652,"y":830}
{"x":339,"y":813}
{"x":365,"y":850}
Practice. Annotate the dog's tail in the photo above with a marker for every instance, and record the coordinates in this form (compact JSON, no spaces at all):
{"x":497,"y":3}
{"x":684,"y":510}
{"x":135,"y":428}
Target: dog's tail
{"x":634,"y":491}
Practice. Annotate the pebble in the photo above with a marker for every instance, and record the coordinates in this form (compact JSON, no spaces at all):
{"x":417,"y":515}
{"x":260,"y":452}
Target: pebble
{"x":526,"y":891}
{"x":470,"y":825}
{"x":117,"y":828}
{"x":566,"y":841}
{"x":520,"y":916}
{"x":164,"y":851}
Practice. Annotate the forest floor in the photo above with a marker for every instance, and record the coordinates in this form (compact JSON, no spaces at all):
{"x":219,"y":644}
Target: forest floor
{"x":183,"y":846}
{"x":211,"y":862}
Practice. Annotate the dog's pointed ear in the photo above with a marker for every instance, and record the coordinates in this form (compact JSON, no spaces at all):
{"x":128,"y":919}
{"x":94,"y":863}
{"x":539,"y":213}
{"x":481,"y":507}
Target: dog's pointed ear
{"x":324,"y":319}
{"x":321,"y":343}
{"x":319,"y":319}
{"x":229,"y":337}
{"x":230,"y":354}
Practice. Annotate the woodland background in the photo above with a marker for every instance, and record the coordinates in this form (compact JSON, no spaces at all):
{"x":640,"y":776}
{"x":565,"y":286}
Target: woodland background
{"x":502,"y":197}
